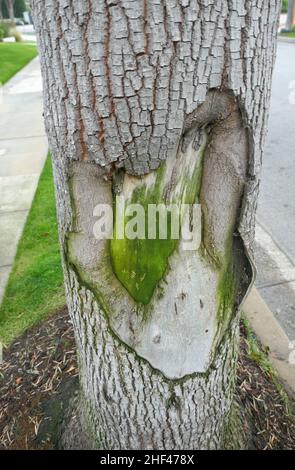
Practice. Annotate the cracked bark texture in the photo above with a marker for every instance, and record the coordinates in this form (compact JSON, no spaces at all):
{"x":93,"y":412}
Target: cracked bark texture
{"x":132,"y":406}
{"x":128,"y":84}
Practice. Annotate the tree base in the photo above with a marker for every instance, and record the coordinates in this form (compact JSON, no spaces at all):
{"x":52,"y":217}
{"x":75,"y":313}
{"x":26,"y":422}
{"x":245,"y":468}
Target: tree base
{"x":67,"y":423}
{"x":238,"y":431}
{"x":237,"y":435}
{"x":75,"y":432}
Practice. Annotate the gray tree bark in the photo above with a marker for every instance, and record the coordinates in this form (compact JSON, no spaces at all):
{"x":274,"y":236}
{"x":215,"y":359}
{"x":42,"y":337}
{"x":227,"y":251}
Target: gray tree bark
{"x":168,"y":99}
{"x":290,"y":15}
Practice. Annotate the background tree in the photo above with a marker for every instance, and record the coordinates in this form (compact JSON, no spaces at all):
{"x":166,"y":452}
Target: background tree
{"x":3,"y":9}
{"x":290,"y":15}
{"x":158,"y":102}
{"x":19,"y":8}
{"x":13,"y":8}
{"x":10,"y":9}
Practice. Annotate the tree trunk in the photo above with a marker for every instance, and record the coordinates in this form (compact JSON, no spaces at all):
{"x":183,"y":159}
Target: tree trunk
{"x":291,"y":15}
{"x":156,"y":102}
{"x":10,"y":9}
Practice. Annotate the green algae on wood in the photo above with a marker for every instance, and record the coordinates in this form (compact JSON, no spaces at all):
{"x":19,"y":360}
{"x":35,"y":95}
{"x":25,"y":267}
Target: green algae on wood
{"x":226,"y":291}
{"x":140,"y":264}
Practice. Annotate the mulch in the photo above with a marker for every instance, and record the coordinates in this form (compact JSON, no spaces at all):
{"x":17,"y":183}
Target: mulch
{"x":273,"y":425}
{"x":33,"y":369}
{"x":38,"y":363}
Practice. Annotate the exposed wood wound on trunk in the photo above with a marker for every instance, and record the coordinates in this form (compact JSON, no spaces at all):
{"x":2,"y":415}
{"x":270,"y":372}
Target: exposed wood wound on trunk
{"x":172,"y":306}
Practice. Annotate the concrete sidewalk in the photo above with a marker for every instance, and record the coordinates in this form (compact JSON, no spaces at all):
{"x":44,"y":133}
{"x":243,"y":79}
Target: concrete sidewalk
{"x":23,"y":150}
{"x":281,"y":351}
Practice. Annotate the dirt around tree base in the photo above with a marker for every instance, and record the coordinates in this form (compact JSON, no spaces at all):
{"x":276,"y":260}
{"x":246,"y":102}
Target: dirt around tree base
{"x":39,"y":375}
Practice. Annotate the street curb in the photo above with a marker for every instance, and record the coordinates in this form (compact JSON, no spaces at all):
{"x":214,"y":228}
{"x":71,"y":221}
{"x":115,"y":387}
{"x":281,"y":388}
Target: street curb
{"x":271,"y":335}
{"x":283,"y":39}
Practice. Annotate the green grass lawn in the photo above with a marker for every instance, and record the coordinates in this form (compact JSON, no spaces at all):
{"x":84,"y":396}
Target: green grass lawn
{"x":35,"y":287}
{"x":13,"y":57}
{"x":288,"y":35}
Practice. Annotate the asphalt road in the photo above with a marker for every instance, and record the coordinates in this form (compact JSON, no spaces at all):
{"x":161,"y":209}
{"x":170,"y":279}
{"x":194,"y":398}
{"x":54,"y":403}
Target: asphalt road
{"x":275,"y":245}
{"x":276,"y":209}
